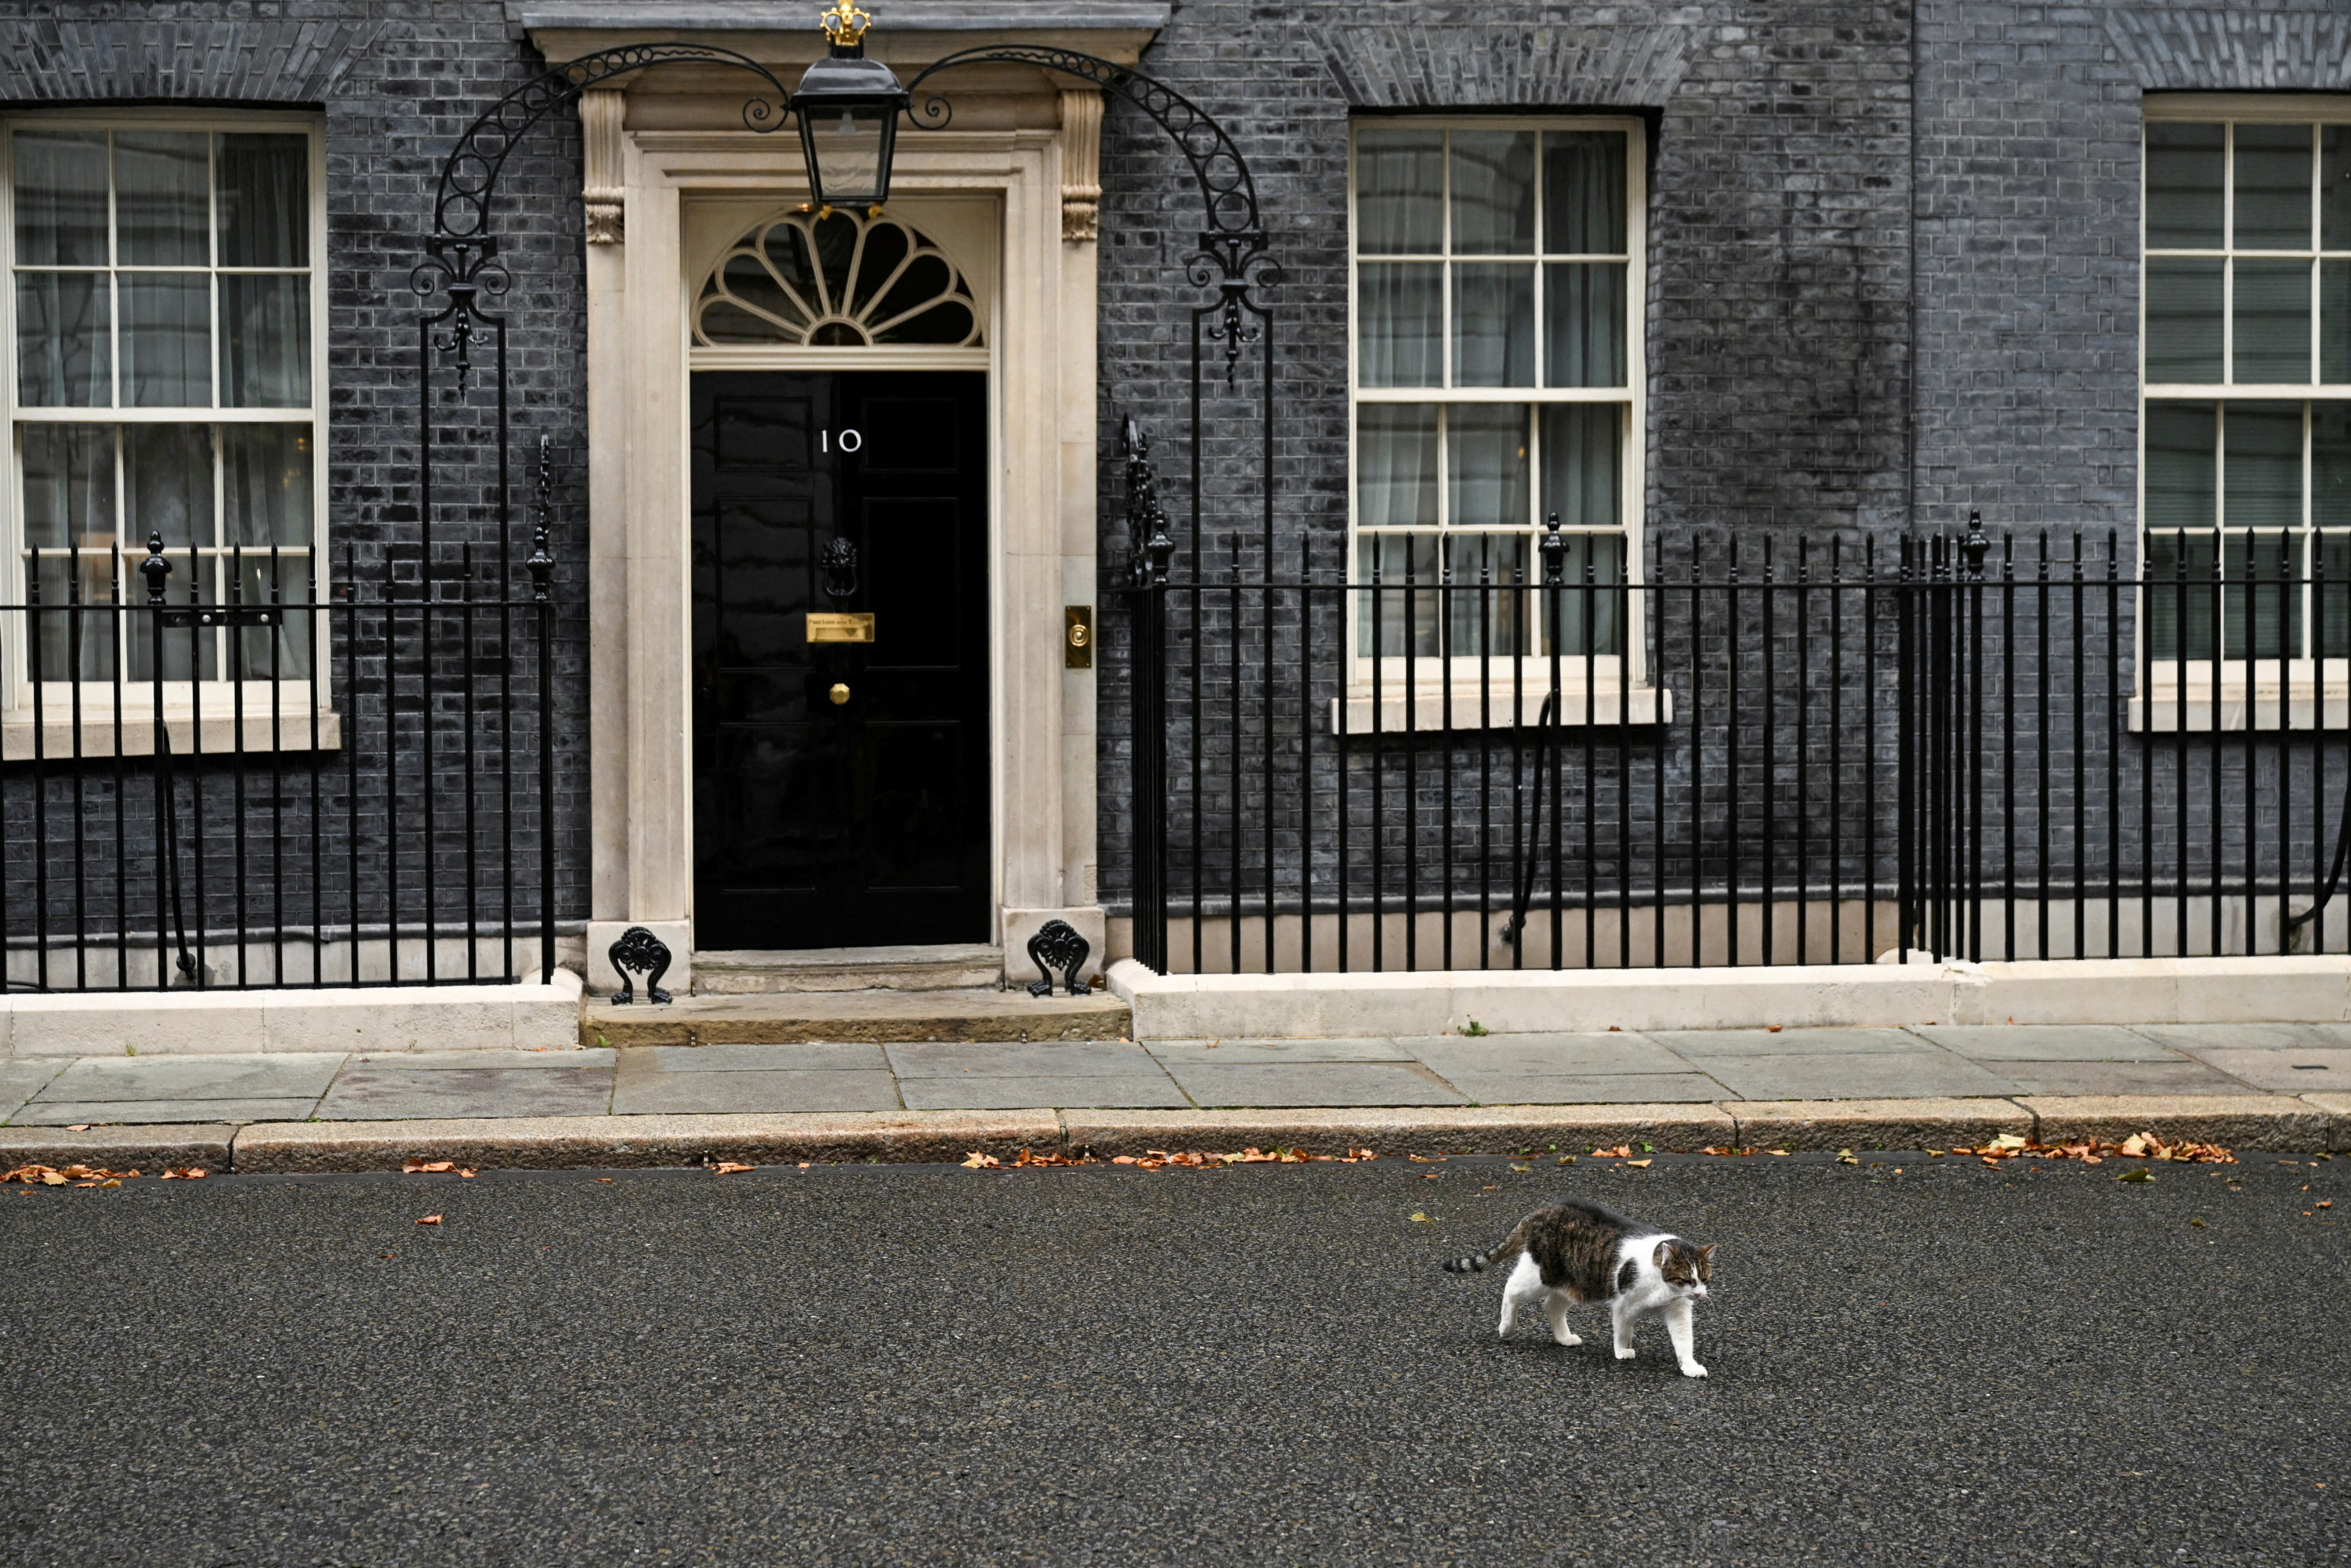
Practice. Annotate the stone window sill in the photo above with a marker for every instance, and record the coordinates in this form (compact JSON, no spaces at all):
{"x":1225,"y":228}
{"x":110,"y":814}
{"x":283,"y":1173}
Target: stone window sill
{"x":1604,"y":707}
{"x":293,"y":732}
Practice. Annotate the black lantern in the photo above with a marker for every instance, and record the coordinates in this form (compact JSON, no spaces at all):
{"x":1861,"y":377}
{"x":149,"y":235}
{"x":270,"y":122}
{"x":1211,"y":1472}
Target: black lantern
{"x":849,"y":107}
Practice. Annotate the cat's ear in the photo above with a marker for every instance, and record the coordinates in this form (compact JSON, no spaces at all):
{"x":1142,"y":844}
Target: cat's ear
{"x":1706,"y":1261}
{"x":1706,"y":1252}
{"x":1665,"y":1250}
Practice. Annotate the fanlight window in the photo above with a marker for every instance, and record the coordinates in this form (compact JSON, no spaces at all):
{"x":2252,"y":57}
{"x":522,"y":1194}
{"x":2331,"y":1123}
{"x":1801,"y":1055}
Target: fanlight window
{"x":835,"y":281}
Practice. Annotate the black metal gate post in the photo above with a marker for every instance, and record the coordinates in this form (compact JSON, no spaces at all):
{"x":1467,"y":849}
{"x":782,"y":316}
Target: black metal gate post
{"x":1149,"y":552}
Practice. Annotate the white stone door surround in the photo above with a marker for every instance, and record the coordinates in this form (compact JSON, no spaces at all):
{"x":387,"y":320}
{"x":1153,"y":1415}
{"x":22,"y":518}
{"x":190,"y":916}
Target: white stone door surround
{"x":1009,"y":191}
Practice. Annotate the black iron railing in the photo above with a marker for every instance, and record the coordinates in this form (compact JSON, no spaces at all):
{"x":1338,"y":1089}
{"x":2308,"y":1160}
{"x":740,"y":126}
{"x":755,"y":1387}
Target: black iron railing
{"x":1761,"y":752}
{"x":216,"y":777}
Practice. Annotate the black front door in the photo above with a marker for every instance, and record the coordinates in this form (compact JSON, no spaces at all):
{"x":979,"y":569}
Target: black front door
{"x":840,"y":658}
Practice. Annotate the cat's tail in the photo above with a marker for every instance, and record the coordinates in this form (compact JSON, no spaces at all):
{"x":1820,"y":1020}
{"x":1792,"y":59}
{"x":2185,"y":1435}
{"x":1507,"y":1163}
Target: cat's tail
{"x":1510,"y":1246}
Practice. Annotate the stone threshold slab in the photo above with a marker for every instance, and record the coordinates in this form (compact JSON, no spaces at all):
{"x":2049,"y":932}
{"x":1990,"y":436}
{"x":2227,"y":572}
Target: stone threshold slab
{"x":848,"y":1016}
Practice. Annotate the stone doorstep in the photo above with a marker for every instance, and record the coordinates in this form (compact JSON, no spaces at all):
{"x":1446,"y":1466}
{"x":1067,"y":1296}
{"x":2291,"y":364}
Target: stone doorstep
{"x":915,"y":968}
{"x":861,"y":1015}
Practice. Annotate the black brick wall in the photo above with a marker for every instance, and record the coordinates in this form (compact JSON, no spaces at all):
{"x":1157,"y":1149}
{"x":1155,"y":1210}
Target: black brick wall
{"x":397,"y":84}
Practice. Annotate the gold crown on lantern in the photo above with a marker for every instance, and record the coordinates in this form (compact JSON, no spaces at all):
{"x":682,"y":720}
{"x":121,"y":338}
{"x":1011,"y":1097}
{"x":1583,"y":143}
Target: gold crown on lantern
{"x":844,"y":24}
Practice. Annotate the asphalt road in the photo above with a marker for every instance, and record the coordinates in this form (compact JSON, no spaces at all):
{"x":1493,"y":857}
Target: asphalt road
{"x":915,"y":1365}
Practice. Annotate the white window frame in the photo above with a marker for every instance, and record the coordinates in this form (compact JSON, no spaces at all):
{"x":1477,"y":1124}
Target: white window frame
{"x":2250,"y":691}
{"x":285,"y":715}
{"x":1618,"y":689}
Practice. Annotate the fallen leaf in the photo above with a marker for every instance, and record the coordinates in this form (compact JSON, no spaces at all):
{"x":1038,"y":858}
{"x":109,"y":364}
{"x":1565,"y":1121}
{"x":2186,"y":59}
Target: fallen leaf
{"x":603,"y":1178}
{"x":2141,"y":1174}
{"x":979,"y":1162}
{"x":1773,"y":1028}
{"x":1847,"y":1159}
{"x":185,"y":1172}
{"x":2326,"y":1203}
{"x":79,"y":1127}
{"x":804,"y":1164}
{"x":1780,"y":1153}
{"x":1638,"y":1165}
{"x":1522,"y":1170}
{"x":383,"y":1254}
{"x":2197,"y":1223}
{"x":430,"y":1220}
{"x":419,"y":1167}
{"x":1420,"y":1218}
{"x":1566,"y":1159}
{"x":1122,"y":1159}
{"x":1622,"y":1151}
{"x":723,"y":1167}
{"x":51,"y":1178}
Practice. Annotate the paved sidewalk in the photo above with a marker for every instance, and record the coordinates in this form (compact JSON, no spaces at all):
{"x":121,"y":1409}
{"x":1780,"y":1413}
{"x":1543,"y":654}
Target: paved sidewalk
{"x":1693,"y":1067}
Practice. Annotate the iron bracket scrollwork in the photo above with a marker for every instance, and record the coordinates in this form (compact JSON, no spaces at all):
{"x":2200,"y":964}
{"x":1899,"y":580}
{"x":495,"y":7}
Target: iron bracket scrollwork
{"x":1149,"y":550}
{"x":1058,"y":945}
{"x":1232,"y":257}
{"x":639,"y":950}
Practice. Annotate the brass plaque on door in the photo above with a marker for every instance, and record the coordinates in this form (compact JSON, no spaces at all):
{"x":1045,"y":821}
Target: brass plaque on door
{"x":825,"y":626}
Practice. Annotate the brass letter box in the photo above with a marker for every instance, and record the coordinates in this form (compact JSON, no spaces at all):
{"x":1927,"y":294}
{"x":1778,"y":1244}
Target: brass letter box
{"x":826,"y":627}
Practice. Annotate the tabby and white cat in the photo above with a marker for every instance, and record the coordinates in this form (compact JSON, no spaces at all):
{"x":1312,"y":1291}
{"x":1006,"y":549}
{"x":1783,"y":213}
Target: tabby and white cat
{"x":1579,"y":1251}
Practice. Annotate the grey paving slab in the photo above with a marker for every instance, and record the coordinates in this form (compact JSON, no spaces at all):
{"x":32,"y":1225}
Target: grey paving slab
{"x":1332,"y":1083}
{"x":1610,"y":1089}
{"x":2045,"y":1042}
{"x":1886,"y":1076}
{"x":785,"y":1057}
{"x":430,"y":1061}
{"x":2242,"y":1036}
{"x":1549,"y":1055}
{"x":1265,"y":1051}
{"x":376,"y":1092}
{"x":20,"y":1080}
{"x":1021,"y":1059}
{"x":803,"y":1089}
{"x":1005,"y":1092}
{"x":2246,"y":1035}
{"x":2115,"y":1078}
{"x":1703,"y":1045}
{"x":283,"y":1076}
{"x":74,"y":1112}
{"x":2309,"y":1070}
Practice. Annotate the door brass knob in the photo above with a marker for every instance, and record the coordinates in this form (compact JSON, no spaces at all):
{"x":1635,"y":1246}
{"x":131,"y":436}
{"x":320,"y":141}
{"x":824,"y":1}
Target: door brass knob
{"x":840,"y":694}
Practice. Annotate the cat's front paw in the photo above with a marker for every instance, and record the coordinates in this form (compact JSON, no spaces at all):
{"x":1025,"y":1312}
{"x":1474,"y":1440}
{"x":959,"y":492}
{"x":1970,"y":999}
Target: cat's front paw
{"x":1692,"y":1369}
{"x":1625,"y":1353}
{"x":1564,"y":1337}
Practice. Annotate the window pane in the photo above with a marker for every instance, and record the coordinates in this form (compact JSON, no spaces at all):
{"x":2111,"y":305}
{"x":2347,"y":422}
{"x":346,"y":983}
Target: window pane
{"x":1486,"y":445}
{"x":1584,"y":302}
{"x":2333,"y":570}
{"x":1395,"y":617}
{"x":1588,"y":619}
{"x":1584,"y":192}
{"x":1399,"y":192}
{"x":2335,"y":187}
{"x":2259,"y":599}
{"x":2335,"y":321}
{"x":1493,"y":325}
{"x":162,"y":198}
{"x":2178,"y":597}
{"x":167,"y":486}
{"x":62,"y":341}
{"x":2263,"y":456}
{"x":266,"y":484}
{"x":2183,"y":321}
{"x":2182,"y":471}
{"x":1494,"y":192}
{"x":189,"y":652}
{"x":69,"y":485}
{"x":281,"y":651}
{"x":1401,"y":330}
{"x":2272,"y":340}
{"x":60,"y":198}
{"x":1395,"y":465}
{"x":1583,"y":453}
{"x":264,"y":340}
{"x":2184,"y":196}
{"x":167,"y":339}
{"x":73,"y":647}
{"x":2330,"y":467}
{"x":265,"y":201}
{"x":1493,"y":622}
{"x":2273,"y":187}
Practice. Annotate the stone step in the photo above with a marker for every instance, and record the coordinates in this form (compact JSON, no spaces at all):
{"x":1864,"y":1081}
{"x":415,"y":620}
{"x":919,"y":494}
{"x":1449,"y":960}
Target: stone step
{"x":931,"y":969}
{"x":876,"y":1014}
